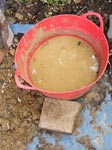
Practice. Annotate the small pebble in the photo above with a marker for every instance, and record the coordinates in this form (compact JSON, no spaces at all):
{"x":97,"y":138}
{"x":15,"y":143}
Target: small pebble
{"x":19,"y":100}
{"x":12,"y":52}
{"x":2,"y":91}
{"x":19,"y":16}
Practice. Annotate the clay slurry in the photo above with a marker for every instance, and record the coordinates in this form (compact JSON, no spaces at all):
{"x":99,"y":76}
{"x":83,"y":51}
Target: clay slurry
{"x":63,"y":63}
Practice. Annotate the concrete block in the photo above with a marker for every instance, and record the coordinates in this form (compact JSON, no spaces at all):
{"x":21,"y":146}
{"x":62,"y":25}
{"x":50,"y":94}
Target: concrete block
{"x":59,"y":115}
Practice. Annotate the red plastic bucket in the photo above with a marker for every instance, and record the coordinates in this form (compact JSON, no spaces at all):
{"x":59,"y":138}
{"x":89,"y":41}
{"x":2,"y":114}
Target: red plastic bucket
{"x":69,"y":24}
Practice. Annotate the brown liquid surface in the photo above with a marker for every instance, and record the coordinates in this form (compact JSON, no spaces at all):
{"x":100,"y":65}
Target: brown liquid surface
{"x":63,"y":63}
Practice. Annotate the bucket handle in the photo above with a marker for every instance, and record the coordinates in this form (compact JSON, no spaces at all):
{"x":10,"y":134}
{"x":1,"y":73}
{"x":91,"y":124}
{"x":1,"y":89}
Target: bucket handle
{"x":98,"y":16}
{"x":21,"y":85}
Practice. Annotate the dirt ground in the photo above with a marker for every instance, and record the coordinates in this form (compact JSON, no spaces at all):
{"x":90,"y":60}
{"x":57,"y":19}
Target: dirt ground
{"x":19,"y":109}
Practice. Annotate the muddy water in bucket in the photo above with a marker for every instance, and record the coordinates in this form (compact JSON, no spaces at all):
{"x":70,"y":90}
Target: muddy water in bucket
{"x":63,"y":63}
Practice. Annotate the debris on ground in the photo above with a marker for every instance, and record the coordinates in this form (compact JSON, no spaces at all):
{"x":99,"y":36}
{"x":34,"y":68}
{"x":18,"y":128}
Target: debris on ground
{"x":85,"y":141}
{"x":99,"y":129}
{"x":93,"y":99}
{"x":19,"y":109}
